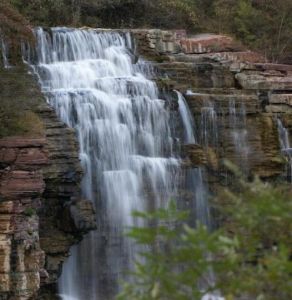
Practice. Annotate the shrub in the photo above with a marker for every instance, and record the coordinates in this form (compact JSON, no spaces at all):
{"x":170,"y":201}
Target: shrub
{"x":14,"y":29}
{"x":29,"y":212}
{"x":250,"y":255}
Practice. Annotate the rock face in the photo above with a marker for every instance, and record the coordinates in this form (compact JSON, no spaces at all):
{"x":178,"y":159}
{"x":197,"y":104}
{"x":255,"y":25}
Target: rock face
{"x":21,"y":188}
{"x":64,"y":215}
{"x":235,"y":97}
{"x":42,"y":213}
{"x":206,"y":43}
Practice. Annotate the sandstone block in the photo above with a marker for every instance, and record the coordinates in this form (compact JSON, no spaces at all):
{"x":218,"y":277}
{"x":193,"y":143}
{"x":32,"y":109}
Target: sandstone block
{"x":31,"y":157}
{"x":281,"y":99}
{"x":263,"y":81}
{"x":5,"y":251}
{"x":7,"y":155}
{"x":209,"y":43}
{"x":6,"y":207}
{"x":22,"y":184}
{"x":22,"y":142}
{"x":6,"y":226}
{"x":4,"y":283}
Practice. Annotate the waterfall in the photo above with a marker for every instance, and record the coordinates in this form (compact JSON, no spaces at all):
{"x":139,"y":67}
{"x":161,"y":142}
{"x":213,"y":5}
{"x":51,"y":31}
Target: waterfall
{"x":4,"y":51}
{"x":239,"y":133}
{"x":209,"y":125}
{"x":194,"y":176}
{"x":285,"y":147}
{"x":126,"y":145}
{"x":187,"y":120}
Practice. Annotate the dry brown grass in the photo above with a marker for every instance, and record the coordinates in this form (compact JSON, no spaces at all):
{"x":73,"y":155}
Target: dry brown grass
{"x":14,"y":28}
{"x":19,"y":100}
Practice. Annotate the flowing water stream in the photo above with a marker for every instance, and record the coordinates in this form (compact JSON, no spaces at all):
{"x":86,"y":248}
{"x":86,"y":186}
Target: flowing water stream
{"x":286,"y":148}
{"x":209,"y":125}
{"x":4,"y":52}
{"x":239,"y":133}
{"x":126,"y":145}
{"x":194,"y":176}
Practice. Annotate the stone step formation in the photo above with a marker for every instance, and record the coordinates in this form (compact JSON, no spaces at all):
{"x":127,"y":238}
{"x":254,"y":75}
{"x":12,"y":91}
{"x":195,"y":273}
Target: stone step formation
{"x":211,"y":69}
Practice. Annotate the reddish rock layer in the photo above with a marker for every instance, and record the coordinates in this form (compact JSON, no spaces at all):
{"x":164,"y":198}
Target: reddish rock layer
{"x":21,"y":187}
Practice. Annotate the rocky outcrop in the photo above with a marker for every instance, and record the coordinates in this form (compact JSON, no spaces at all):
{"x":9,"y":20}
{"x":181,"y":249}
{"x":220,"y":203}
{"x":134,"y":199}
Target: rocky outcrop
{"x":206,"y":43}
{"x":64,"y":216}
{"x":21,"y":188}
{"x":235,"y":97}
{"x":42,"y":213}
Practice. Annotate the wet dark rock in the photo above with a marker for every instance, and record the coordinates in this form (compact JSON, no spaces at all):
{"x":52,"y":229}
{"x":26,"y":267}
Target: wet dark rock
{"x":216,"y":70}
{"x":83,"y":215}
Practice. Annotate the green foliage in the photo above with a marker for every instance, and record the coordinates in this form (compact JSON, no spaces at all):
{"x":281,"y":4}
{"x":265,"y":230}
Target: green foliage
{"x":29,"y":212}
{"x":245,"y":18}
{"x":250,"y":254}
{"x":175,"y":13}
{"x":260,"y":218}
{"x":46,"y":12}
{"x":111,"y":13}
{"x":263,"y":25}
{"x":178,"y":258}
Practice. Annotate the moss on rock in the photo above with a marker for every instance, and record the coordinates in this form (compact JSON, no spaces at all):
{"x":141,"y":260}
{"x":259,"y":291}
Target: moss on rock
{"x":19,"y":99}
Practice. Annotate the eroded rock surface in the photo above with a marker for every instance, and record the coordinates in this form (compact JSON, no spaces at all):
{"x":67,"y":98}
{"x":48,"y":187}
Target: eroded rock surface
{"x":21,"y":188}
{"x":42,"y":213}
{"x":235,"y":97}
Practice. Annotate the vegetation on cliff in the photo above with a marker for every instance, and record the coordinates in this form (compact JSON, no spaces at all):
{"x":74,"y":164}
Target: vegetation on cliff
{"x":263,"y":25}
{"x":250,"y":254}
{"x":14,"y":28}
{"x":19,"y":97}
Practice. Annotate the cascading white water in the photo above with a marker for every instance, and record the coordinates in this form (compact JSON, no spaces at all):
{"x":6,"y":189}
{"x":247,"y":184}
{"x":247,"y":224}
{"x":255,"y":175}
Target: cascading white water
{"x":195,"y":175}
{"x":239,"y":133}
{"x":187,"y":120}
{"x":286,"y":147}
{"x":4,"y":51}
{"x":126,"y":146}
{"x":209,"y":125}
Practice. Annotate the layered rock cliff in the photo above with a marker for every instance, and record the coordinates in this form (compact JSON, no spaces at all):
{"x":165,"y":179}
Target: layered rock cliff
{"x":41,"y":210}
{"x":224,"y":83}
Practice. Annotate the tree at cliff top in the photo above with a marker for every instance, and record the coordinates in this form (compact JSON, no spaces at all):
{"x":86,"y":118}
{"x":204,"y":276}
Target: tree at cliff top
{"x":110,"y":13}
{"x":46,"y":12}
{"x":250,"y":255}
{"x":265,"y":25}
{"x":14,"y":28}
{"x":18,"y":98}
